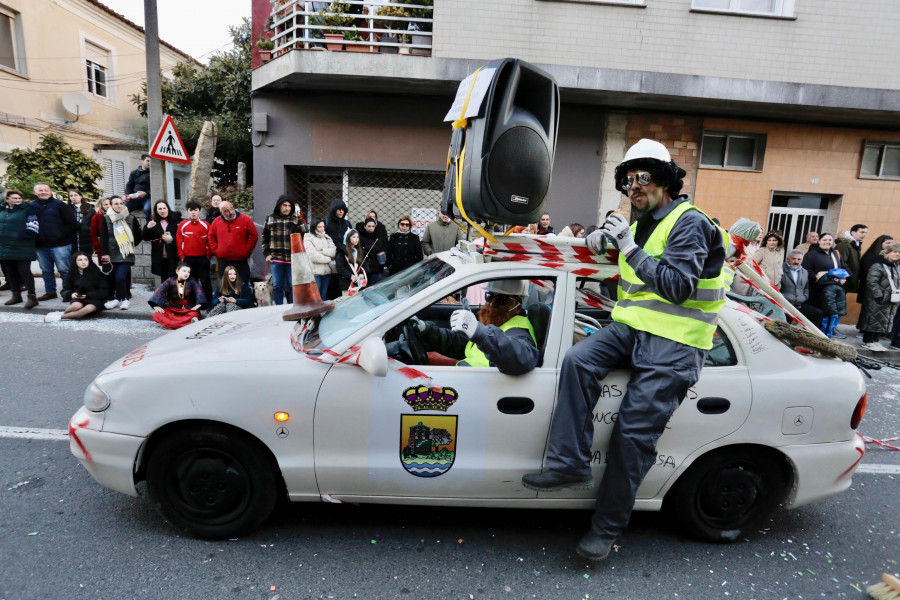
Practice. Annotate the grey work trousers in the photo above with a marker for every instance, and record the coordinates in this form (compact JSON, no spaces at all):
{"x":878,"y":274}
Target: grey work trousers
{"x":662,"y":370}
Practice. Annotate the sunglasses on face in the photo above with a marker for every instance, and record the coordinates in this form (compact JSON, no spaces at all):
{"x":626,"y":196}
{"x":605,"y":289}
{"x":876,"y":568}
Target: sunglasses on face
{"x":403,"y":224}
{"x":490,"y":297}
{"x":642,"y":178}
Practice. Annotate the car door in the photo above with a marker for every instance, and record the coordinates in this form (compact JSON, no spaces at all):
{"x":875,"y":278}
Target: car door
{"x":713,"y":408}
{"x":472,"y":435}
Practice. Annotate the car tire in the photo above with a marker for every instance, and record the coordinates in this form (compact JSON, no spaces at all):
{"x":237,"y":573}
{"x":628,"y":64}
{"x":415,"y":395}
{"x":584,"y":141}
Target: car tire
{"x":212,"y":483}
{"x":725,"y":496}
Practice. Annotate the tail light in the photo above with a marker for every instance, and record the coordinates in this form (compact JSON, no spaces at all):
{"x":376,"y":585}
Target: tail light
{"x":858,"y":412}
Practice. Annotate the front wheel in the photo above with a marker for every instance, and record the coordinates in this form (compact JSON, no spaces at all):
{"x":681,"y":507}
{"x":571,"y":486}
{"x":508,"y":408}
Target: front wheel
{"x":725,"y":495}
{"x":212,"y":483}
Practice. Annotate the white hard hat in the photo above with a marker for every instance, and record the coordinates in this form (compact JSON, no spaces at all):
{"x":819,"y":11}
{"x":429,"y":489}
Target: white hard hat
{"x":645,"y":148}
{"x":508,"y":287}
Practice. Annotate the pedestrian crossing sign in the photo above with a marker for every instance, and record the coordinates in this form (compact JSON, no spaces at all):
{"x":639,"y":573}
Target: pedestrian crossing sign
{"x":168,"y":144}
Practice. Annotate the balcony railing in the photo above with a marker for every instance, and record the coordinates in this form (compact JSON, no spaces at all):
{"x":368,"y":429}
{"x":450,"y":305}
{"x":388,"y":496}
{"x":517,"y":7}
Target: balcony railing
{"x":362,"y":26}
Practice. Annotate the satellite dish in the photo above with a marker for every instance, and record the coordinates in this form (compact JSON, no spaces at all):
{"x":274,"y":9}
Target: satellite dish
{"x":76,"y":103}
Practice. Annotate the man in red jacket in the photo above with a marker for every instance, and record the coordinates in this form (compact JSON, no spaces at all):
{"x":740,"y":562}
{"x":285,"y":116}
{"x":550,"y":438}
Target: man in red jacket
{"x":232,"y":238}
{"x":192,"y":241}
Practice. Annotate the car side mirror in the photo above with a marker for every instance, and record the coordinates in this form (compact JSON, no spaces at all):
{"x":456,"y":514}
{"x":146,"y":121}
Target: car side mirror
{"x":373,"y":356}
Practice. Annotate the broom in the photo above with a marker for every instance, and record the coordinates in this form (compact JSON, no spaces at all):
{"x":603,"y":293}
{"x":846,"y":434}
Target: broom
{"x":888,"y":589}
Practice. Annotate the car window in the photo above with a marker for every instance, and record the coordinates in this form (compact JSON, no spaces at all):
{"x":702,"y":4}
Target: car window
{"x":351,"y":313}
{"x":439,"y":344}
{"x":722,"y":353}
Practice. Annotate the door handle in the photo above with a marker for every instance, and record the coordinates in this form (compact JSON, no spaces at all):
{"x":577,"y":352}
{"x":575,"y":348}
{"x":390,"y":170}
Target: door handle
{"x":514,"y":405}
{"x":713,"y":406}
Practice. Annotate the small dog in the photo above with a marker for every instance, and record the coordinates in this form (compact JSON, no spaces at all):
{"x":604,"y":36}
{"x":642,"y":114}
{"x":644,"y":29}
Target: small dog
{"x":263,"y":292}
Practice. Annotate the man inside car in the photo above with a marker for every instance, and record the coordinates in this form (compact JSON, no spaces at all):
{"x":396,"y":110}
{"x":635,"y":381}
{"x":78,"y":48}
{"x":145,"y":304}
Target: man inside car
{"x":500,"y":336}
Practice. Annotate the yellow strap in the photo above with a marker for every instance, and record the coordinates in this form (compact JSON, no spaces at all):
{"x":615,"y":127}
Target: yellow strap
{"x":462,"y":123}
{"x":459,"y":204}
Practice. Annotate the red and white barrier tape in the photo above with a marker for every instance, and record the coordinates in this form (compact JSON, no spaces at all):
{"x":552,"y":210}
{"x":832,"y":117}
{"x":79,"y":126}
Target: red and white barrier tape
{"x":351,"y":357}
{"x":883,"y":443}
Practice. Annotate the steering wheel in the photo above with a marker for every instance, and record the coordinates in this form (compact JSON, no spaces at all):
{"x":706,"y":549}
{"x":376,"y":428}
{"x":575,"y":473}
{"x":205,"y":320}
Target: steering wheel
{"x":413,"y":343}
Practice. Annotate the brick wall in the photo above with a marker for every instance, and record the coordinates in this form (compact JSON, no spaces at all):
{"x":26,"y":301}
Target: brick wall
{"x":680,"y":135}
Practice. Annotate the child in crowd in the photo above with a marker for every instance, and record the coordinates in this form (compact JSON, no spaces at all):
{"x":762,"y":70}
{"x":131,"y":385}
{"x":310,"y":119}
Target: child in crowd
{"x":349,"y":263}
{"x":832,"y":299}
{"x":85,"y":287}
{"x":177,"y":301}
{"x":100,"y":207}
{"x":321,"y":250}
{"x":233,"y":294}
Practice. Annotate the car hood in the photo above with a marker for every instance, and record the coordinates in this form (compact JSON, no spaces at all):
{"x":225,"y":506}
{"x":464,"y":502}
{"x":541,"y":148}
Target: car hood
{"x":258,"y":334}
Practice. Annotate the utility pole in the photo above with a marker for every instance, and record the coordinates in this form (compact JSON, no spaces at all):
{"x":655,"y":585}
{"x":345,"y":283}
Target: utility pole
{"x":154,"y":97}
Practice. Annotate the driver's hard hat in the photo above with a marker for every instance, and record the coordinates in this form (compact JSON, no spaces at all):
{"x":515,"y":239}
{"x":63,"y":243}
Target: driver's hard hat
{"x":645,"y":148}
{"x":508,"y":287}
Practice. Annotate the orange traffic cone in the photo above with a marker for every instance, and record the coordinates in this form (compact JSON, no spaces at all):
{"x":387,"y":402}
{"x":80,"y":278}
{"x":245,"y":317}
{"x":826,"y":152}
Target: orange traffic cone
{"x":307,"y":301}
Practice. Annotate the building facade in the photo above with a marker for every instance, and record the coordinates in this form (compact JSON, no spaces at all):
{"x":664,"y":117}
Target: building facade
{"x":69,"y":67}
{"x":781,"y":111}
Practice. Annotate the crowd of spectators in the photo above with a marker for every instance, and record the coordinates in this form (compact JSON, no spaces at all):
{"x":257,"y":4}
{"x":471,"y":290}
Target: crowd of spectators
{"x":92,"y":247}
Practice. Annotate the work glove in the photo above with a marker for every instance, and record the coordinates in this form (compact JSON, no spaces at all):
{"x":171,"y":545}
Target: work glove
{"x":618,"y":231}
{"x":596,"y":242}
{"x":419,"y":324}
{"x":465,"y":321}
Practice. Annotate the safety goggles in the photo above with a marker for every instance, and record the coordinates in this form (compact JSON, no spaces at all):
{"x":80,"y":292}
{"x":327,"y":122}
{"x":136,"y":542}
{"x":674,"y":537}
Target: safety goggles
{"x":490,"y":297}
{"x":642,"y":178}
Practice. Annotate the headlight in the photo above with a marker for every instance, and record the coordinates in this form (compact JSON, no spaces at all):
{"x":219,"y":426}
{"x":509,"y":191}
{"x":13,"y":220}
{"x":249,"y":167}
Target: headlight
{"x":95,"y":399}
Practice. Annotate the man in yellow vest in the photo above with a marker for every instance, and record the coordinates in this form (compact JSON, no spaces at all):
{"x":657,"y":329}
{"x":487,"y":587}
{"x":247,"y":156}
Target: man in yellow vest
{"x":499,"y":337}
{"x":670,"y":292}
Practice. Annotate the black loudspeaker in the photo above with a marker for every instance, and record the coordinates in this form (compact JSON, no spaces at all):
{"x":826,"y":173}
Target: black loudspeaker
{"x":509,"y":147}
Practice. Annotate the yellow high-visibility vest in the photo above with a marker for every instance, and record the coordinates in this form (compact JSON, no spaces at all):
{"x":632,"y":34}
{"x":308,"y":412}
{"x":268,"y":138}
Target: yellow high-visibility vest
{"x":476,"y":358}
{"x":694,"y":321}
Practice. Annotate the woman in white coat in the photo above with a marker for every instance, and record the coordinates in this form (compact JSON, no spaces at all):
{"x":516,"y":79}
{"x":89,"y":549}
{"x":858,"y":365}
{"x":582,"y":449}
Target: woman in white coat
{"x":321,"y":250}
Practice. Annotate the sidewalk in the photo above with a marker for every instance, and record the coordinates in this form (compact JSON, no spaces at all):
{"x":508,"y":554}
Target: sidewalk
{"x":139,"y":308}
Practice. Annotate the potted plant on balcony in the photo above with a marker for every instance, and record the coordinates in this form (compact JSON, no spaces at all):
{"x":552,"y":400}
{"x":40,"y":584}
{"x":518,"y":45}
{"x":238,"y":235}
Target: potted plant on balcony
{"x":420,"y":13}
{"x":352,"y":35}
{"x":335,"y":20}
{"x":392,"y":25}
{"x":265,"y":45}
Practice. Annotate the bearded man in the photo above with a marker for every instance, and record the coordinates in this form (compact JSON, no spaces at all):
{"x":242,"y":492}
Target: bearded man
{"x":501,"y":336}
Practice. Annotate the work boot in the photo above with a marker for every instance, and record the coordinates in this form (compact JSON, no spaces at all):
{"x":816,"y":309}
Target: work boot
{"x":551,"y":481}
{"x":32,"y":301}
{"x":16,"y":299}
{"x":47,"y":296}
{"x":594,"y":547}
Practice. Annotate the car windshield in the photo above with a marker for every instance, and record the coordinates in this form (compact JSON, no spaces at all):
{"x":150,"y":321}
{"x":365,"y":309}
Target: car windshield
{"x":351,"y":313}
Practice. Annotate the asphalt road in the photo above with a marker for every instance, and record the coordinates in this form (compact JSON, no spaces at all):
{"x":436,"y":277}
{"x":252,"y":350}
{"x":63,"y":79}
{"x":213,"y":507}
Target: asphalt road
{"x":64,"y":536}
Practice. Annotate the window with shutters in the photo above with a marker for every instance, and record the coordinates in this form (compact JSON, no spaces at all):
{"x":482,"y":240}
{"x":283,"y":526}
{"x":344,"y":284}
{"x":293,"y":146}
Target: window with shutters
{"x":114,"y":177}
{"x":97,"y":69}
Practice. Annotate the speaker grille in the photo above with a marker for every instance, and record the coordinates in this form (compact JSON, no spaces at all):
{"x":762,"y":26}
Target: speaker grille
{"x":519,"y":167}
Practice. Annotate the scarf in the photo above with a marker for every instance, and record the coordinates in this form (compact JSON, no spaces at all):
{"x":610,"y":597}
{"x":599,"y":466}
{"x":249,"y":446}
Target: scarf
{"x":124,"y":236}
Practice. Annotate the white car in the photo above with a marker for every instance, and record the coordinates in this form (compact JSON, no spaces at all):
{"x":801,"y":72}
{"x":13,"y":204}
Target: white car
{"x":223,"y":417}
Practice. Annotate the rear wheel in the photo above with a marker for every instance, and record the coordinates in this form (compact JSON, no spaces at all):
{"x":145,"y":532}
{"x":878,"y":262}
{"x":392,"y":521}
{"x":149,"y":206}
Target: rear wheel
{"x":212,"y":483}
{"x":725,"y":496}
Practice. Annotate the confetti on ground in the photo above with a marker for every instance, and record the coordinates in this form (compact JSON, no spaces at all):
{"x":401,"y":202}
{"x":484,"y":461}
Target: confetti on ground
{"x":18,"y":485}
{"x":33,"y":533}
{"x":139,"y":327}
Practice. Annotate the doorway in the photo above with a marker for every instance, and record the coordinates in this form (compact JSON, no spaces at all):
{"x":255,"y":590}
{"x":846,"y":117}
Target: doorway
{"x":796,"y":214}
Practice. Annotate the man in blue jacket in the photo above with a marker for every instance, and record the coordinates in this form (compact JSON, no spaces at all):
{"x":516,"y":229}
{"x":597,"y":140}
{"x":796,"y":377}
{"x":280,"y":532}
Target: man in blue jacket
{"x":57,"y":224}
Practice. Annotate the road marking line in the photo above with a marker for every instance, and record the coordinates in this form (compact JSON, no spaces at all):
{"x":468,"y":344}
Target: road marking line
{"x":879,"y":469}
{"x":61,"y":435}
{"x":33,"y":433}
